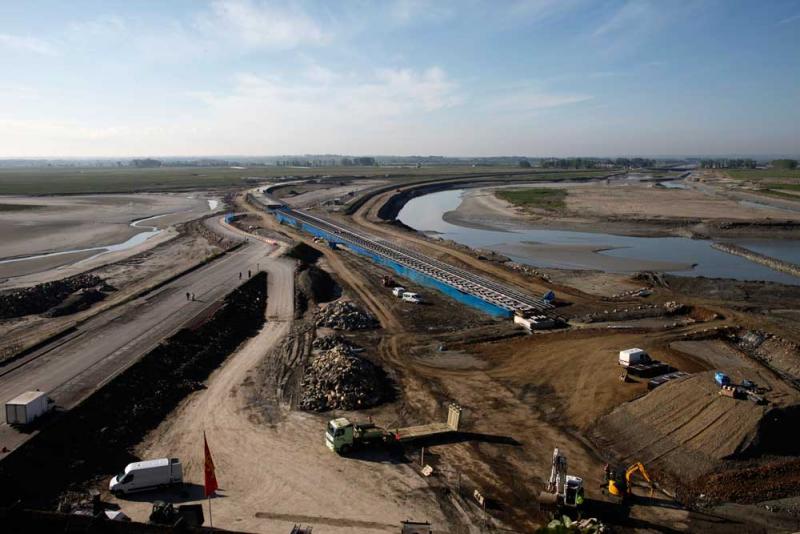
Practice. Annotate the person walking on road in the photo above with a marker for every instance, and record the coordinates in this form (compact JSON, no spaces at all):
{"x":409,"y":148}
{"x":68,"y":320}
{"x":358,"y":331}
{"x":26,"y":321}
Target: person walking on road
{"x":188,"y":296}
{"x":248,"y":273}
{"x":240,"y":276}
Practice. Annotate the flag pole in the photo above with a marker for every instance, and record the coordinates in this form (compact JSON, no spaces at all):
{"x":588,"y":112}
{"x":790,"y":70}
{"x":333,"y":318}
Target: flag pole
{"x":210,"y":517}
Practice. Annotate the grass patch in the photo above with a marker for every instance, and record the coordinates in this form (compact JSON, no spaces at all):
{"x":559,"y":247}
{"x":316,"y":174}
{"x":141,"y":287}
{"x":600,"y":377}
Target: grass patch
{"x":764,"y":174}
{"x":19,"y":207}
{"x":537,"y":197}
{"x":62,"y":180}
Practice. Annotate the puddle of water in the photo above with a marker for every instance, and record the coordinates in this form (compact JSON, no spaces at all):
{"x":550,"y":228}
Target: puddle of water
{"x":673,"y":185}
{"x":425,"y":214}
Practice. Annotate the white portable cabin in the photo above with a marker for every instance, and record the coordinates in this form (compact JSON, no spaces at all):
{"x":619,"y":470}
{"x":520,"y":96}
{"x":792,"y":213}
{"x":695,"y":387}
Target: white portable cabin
{"x":631,"y":356}
{"x":23,"y":409}
{"x":535,"y":322}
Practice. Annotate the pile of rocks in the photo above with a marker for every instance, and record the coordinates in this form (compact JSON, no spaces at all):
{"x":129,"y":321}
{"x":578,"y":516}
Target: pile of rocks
{"x":328,"y":342}
{"x":527,"y":270}
{"x":42,"y":297}
{"x":637,"y":312}
{"x":337,"y":379}
{"x":345,"y":316}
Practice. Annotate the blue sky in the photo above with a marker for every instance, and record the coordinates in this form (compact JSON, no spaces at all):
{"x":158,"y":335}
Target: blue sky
{"x":517,"y":77}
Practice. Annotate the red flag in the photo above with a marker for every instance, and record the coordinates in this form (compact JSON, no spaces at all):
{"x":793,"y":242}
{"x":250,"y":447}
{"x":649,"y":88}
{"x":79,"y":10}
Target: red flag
{"x":211,"y":478}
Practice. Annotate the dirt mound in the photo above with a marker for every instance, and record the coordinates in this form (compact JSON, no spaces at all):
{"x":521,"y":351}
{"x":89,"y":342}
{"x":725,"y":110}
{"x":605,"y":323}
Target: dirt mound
{"x":78,"y":301}
{"x":780,"y":354}
{"x":337,"y":379}
{"x":637,"y":312}
{"x":42,"y":297}
{"x":329,"y":342}
{"x":344,"y":315}
{"x":751,"y":484}
{"x":686,"y":428}
{"x":304,"y":253}
{"x":317,"y":285}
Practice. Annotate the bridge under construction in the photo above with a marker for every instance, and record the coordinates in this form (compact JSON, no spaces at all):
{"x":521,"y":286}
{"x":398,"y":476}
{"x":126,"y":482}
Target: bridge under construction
{"x":477,"y":291}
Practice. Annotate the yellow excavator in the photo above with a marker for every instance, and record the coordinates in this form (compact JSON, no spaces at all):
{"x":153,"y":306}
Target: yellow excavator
{"x":619,"y":485}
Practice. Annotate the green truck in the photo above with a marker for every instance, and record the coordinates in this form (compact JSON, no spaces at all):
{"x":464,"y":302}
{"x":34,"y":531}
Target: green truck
{"x":342,"y":435}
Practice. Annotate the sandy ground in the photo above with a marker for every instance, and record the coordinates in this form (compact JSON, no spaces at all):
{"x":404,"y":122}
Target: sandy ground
{"x":65,"y":223}
{"x":590,"y":206}
{"x":268,"y":481}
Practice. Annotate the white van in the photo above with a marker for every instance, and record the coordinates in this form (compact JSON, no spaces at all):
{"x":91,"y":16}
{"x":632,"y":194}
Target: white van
{"x":398,"y":291}
{"x":150,"y":474}
{"x":408,"y":296}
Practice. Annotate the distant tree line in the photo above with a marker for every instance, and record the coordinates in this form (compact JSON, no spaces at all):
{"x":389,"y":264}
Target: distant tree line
{"x":297,"y":162}
{"x":146,"y":163}
{"x":725,"y":163}
{"x":358,"y":162}
{"x":784,"y":163}
{"x":595,"y":163}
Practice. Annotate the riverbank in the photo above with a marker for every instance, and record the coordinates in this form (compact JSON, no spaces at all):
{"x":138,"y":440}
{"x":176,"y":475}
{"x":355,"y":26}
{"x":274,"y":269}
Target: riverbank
{"x":638,"y":210}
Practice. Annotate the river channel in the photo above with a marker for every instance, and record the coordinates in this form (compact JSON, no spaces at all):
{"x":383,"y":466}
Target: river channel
{"x":563,"y":249}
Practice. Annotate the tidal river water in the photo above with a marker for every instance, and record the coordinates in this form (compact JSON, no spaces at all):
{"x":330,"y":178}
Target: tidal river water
{"x":565,"y":249}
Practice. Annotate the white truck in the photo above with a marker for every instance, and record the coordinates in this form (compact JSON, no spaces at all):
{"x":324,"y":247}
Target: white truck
{"x":23,"y":409}
{"x":408,"y":296}
{"x":398,"y":291}
{"x":633,"y":356}
{"x":150,"y":474}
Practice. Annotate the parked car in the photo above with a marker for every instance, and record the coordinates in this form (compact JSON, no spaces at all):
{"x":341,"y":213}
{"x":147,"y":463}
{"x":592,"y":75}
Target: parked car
{"x":398,"y":291}
{"x":408,"y":296}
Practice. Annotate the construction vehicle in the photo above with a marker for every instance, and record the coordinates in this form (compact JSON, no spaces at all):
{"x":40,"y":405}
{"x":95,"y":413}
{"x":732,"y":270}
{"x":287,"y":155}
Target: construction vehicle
{"x":721,"y":379}
{"x":564,"y":493}
{"x":618,"y":484}
{"x":388,"y":281}
{"x":342,"y":436}
{"x":165,"y":513}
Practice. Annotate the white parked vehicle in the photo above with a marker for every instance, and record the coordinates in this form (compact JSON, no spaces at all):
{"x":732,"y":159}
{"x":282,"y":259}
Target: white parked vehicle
{"x":634,"y":356}
{"x":398,"y":291}
{"x":23,"y":409}
{"x":408,"y":296}
{"x":150,"y":474}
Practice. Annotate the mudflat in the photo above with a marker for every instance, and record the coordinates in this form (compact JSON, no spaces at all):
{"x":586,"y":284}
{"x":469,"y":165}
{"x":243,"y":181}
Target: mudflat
{"x":72,"y":223}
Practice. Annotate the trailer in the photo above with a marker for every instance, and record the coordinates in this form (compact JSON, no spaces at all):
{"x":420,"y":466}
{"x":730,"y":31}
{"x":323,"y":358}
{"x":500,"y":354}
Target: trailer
{"x":342,"y":435}
{"x":24,"y":409}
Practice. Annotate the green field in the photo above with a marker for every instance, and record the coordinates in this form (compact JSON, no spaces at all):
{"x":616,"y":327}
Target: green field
{"x":764,"y":174}
{"x":537,"y":197}
{"x":60,"y":180}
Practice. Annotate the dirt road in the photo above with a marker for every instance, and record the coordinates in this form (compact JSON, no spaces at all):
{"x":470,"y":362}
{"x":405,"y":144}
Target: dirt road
{"x":274,"y":477}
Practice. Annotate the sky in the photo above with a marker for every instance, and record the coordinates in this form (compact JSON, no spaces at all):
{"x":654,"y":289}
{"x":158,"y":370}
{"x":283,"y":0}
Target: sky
{"x":105,"y":78}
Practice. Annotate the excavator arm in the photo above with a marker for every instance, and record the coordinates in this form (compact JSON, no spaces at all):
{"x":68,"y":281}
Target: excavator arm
{"x":632,"y":470}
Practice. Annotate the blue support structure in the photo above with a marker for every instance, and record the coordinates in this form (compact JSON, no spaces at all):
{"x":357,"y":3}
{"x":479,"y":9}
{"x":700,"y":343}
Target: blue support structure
{"x":401,"y":270}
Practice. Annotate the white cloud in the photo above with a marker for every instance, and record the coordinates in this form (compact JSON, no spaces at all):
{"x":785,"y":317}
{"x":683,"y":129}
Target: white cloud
{"x":25,"y":43}
{"x":789,"y":20}
{"x":409,"y":11}
{"x":262,"y":25}
{"x":631,"y":17}
{"x":520,"y":101}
